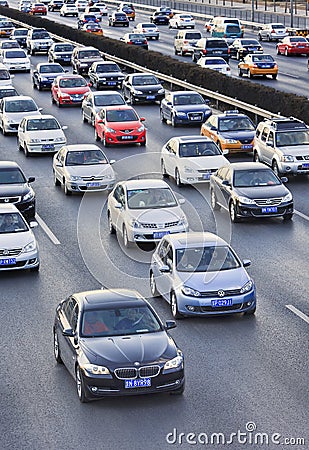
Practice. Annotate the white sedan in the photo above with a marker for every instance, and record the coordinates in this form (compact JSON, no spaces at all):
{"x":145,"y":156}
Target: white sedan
{"x":215,"y":63}
{"x":182,"y":21}
{"x":15,"y":59}
{"x":14,"y":109}
{"x":144,"y":211}
{"x":40,"y":134}
{"x":150,"y":30}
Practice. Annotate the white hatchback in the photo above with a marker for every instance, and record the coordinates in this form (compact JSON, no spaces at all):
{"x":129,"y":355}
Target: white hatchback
{"x":15,"y":59}
{"x":215,"y":63}
{"x":182,"y":21}
{"x":14,"y":109}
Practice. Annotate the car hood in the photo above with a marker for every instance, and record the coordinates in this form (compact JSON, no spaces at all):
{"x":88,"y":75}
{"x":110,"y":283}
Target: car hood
{"x":263,"y":191}
{"x":77,"y":90}
{"x":45,"y":134}
{"x":205,"y":162}
{"x":124,"y":350}
{"x":191,"y":108}
{"x":149,"y":87}
{"x":12,"y":240}
{"x":212,"y":281}
{"x":109,"y":74}
{"x":14,"y":190}
{"x":17,"y":116}
{"x":238,"y":134}
{"x":300,"y":150}
{"x":50,"y":75}
{"x":160,"y":215}
{"x":91,"y":170}
{"x":16,"y":61}
{"x":124,"y":125}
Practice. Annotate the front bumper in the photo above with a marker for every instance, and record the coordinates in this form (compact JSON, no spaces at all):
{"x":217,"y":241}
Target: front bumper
{"x":84,"y":186}
{"x":294,"y":168}
{"x":153,"y":234}
{"x":148,"y":97}
{"x":27,"y":260}
{"x":45,"y":147}
{"x":126,"y":139}
{"x":247,"y":211}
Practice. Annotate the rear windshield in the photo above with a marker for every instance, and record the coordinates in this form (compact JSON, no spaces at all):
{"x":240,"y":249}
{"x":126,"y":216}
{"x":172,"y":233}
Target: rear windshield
{"x":193,"y":35}
{"x":232,"y":28}
{"x":216,"y":44}
{"x":106,"y":100}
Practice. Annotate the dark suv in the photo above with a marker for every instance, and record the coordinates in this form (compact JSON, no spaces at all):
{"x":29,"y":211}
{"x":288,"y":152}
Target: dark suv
{"x":83,"y":58}
{"x":211,"y":47}
{"x":15,"y":188}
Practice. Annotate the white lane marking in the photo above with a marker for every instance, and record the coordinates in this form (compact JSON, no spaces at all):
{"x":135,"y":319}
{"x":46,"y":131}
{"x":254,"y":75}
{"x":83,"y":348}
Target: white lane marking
{"x":298,"y":312}
{"x":289,"y":75}
{"x":301,"y":215}
{"x":47,"y":230}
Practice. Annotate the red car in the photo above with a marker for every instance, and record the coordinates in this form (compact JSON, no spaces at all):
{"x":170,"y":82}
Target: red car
{"x":293,"y":45}
{"x":69,"y":90}
{"x":119,"y":125}
{"x":38,"y":9}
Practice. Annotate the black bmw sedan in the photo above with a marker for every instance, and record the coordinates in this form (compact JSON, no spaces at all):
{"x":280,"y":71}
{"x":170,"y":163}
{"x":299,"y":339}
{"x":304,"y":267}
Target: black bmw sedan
{"x":250,"y":189}
{"x":113,"y":343}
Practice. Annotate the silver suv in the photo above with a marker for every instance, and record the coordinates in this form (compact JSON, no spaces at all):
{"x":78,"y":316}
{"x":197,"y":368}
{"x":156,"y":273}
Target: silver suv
{"x":283,"y":144}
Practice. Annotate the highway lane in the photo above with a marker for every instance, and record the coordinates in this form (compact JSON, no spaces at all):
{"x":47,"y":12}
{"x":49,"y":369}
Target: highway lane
{"x":239,"y":369}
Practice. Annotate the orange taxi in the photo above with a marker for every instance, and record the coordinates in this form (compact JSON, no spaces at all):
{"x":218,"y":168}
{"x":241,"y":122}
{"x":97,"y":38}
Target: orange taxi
{"x":254,"y":65}
{"x":92,"y":28}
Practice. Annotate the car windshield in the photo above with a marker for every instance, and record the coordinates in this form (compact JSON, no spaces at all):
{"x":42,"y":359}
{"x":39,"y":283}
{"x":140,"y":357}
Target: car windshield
{"x":85,"y":158}
{"x":136,"y":36}
{"x":103,"y":68}
{"x":72,"y":83}
{"x":106,"y":100}
{"x":51,"y":68}
{"x":151,"y":198}
{"x":89,"y":54}
{"x":195,"y":149}
{"x":8,"y":92}
{"x":42,"y":124}
{"x":188,"y":99}
{"x":4,"y":75}
{"x":292,"y":138}
{"x":63,"y":48}
{"x":12,"y":223}
{"x":15,"y":106}
{"x":236,"y":124}
{"x":206,"y":259}
{"x":262,"y":58}
{"x":20,"y":32}
{"x":144,"y":80}
{"x":255,"y":178}
{"x":11,"y":176}
{"x":41,"y":35}
{"x":10,"y":44}
{"x":15,"y":54}
{"x":119,"y":321}
{"x":250,"y":42}
{"x":214,"y":61}
{"x":121,"y":115}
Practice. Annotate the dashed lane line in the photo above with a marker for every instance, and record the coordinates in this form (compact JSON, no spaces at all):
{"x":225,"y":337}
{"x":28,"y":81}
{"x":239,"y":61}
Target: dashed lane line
{"x":47,"y":230}
{"x":298,"y":312}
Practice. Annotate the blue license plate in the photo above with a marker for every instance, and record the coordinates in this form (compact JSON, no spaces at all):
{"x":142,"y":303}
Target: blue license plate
{"x":126,"y":138}
{"x":306,"y":166}
{"x":246,"y":147}
{"x":76,"y":99}
{"x":269,"y":209}
{"x":138,"y":383}
{"x":221,"y":302}
{"x":93,"y":184}
{"x":150,"y":97}
{"x":111,"y":83}
{"x":159,"y":234}
{"x":7,"y":261}
{"x":48,"y":147}
{"x":206,"y":176}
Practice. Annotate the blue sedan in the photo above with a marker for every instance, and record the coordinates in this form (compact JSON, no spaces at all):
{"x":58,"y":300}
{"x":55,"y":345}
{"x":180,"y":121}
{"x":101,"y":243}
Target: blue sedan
{"x":45,"y":73}
{"x":184,"y":108}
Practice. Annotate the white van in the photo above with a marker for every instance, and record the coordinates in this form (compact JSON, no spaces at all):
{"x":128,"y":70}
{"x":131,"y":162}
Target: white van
{"x":185,"y":41}
{"x":5,"y":76}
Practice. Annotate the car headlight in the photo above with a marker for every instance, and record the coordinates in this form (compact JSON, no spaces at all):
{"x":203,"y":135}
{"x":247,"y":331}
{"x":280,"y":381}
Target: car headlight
{"x":29,"y":247}
{"x":247,"y":287}
{"x":64,"y":95}
{"x":102,"y":78}
{"x":43,"y":79}
{"x":83,"y":65}
{"x":141,"y":128}
{"x":138,"y":92}
{"x":173,"y":363}
{"x":136,"y":224}
{"x":59,"y":139}
{"x":186,"y":290}
{"x":110,"y":130}
{"x":28,"y":196}
{"x":287,"y":158}
{"x":229,"y":141}
{"x":34,"y":141}
{"x":183,"y":221}
{"x":161,"y":91}
{"x":246,"y":200}
{"x":75,"y":178}
{"x":93,"y":369}
{"x":107,"y":177}
{"x":287,"y":198}
{"x":188,"y":169}
{"x":181,"y":114}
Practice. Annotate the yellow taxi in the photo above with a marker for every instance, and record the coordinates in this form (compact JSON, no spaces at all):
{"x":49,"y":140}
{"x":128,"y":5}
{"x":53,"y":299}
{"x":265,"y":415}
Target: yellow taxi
{"x":253,"y":65}
{"x":128,"y":9}
{"x":92,"y":28}
{"x":231,"y":131}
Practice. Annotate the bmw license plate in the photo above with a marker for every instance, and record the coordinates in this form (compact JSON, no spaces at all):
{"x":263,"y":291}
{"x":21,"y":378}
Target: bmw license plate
{"x":159,"y":234}
{"x":48,"y":147}
{"x":126,"y":138}
{"x":270,"y":209}
{"x":246,"y":147}
{"x":111,"y":83}
{"x":93,"y":184}
{"x":305,"y":166}
{"x":150,"y":97}
{"x":206,"y":176}
{"x":138,"y":383}
{"x":7,"y":261}
{"x":221,"y":302}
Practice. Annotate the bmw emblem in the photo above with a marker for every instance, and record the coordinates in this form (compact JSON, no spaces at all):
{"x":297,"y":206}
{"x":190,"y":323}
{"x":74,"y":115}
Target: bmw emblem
{"x":137,"y":364}
{"x":221,"y":293}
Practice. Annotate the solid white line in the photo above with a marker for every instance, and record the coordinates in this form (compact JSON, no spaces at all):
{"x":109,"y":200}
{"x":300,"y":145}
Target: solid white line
{"x":301,"y":215}
{"x":47,"y":230}
{"x":289,"y":75}
{"x":298,"y":313}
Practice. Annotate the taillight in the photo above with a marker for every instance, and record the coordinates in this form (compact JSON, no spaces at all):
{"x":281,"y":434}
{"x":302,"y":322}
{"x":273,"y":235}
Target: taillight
{"x":204,"y":51}
{"x":186,"y":42}
{"x":224,"y":35}
{"x":228,"y":50}
{"x":130,"y":42}
{"x":273,"y":31}
{"x":145,"y":42}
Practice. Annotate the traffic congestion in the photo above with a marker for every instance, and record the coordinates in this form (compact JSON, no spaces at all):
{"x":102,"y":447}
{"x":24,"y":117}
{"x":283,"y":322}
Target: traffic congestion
{"x":127,"y":207}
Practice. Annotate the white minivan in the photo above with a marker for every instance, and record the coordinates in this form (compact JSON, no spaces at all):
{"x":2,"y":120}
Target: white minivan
{"x":185,"y":40}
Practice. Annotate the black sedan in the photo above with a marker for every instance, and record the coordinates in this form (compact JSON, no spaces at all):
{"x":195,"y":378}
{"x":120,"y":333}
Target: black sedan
{"x":105,"y":74}
{"x":242,"y":47}
{"x":160,"y":18}
{"x":250,"y":190}
{"x":113,"y":343}
{"x":45,"y":73}
{"x":142,"y":87}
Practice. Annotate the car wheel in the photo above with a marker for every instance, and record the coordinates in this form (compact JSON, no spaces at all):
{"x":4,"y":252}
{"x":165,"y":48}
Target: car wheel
{"x":286,"y":53}
{"x":260,"y":37}
{"x":92,"y":120}
{"x":96,"y":136}
{"x":153,"y":286}
{"x":57,"y":349}
{"x":56,"y":181}
{"x":213,"y":201}
{"x":111,"y":227}
{"x":174,"y":307}
{"x":238,"y":56}
{"x":162,"y":118}
{"x":276,"y":168}
{"x":163,"y":170}
{"x":288,"y":217}
{"x":278,"y":51}
{"x":26,"y":151}
{"x":256,"y":157}
{"x":240,"y":74}
{"x":269,"y":38}
{"x":173,"y":121}
{"x":132,"y":101}
{"x":143,"y":144}
{"x":233,"y":214}
{"x":274,"y":76}
{"x":32,"y":52}
{"x":250,"y":74}
{"x":35,"y":269}
{"x":66,"y":189}
{"x":39,"y":86}
{"x":85,"y":120}
{"x":80,"y":386}
{"x":105,"y":141}
{"x":175,"y":51}
{"x":251,"y":312}
{"x":179,"y":391}
{"x":177,"y":178}
{"x":126,"y":241}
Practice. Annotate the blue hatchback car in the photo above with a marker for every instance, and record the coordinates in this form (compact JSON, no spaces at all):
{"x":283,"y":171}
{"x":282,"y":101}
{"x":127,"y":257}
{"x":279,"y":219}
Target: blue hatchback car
{"x":200,"y":274}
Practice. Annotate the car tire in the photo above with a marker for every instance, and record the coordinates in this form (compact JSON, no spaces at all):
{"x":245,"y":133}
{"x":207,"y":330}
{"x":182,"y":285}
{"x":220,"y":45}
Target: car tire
{"x":131,"y":98}
{"x":174,"y":307}
{"x":256,"y":157}
{"x":179,"y":391}
{"x":26,"y":151}
{"x":286,"y":53}
{"x":175,"y":51}
{"x":163,"y":170}
{"x":104,"y":141}
{"x":153,"y":287}
{"x":275,"y":168}
{"x":92,"y":120}
{"x":57,"y":353}
{"x":251,"y":312}
{"x":213,"y":201}
{"x":143,"y":144}
{"x":35,"y":269}
{"x":85,"y":120}
{"x":111,"y":227}
{"x":56,"y":181}
{"x":66,"y":189}
{"x":96,"y":136}
{"x":173,"y":121}
{"x":80,"y":387}
{"x":278,"y":51}
{"x":125,"y":238}
{"x":250,"y":74}
{"x":238,"y":56}
{"x":240,"y":74}
{"x":274,"y":76}
{"x":260,"y":37}
{"x":162,"y":118}
{"x":177,"y":178}
{"x":287,"y":217}
{"x":233,"y":214}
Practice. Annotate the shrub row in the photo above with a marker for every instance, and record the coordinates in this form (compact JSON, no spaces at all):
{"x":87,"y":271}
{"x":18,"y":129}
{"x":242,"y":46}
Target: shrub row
{"x":262,"y":96}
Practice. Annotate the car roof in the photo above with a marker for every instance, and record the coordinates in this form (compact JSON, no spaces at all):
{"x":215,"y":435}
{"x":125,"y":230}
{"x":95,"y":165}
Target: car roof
{"x":8,"y":207}
{"x":227,"y":114}
{"x":194,"y":138}
{"x":118,"y":107}
{"x":184,"y":92}
{"x":248,"y":166}
{"x":193,"y":238}
{"x":41,"y":116}
{"x":8,"y":165}
{"x":145,"y":183}
{"x":110,"y":297}
{"x":81,"y":147}
{"x":17,"y":97}
{"x":104,"y":93}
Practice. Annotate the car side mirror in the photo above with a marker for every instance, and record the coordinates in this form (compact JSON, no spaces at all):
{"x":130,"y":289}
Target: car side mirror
{"x":68,"y":332}
{"x":59,"y":164}
{"x":169,"y":103}
{"x":246,"y":263}
{"x":12,"y":76}
{"x":284,"y":179}
{"x":181,"y":201}
{"x":165,"y":269}
{"x":112,"y":161}
{"x":169,"y":324}
{"x":33,"y":224}
{"x":118,"y":205}
{"x":66,"y":71}
{"x":100,"y":121}
{"x":213,"y":128}
{"x":269,"y":143}
{"x":65,"y":127}
{"x":40,"y":109}
{"x":226,"y":183}
{"x":225,"y":152}
{"x":31,"y":179}
{"x":142,"y":119}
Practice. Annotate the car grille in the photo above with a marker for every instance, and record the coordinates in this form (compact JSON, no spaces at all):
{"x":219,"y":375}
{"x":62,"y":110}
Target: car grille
{"x":301,"y":158}
{"x":229,"y":293}
{"x":268,"y":201}
{"x":127,"y":131}
{"x":10,"y":251}
{"x":195,"y":116}
{"x":159,"y":225}
{"x":246,"y":141}
{"x":221,"y":308}
{"x":132,"y":372}
{"x":10,"y":199}
{"x":93,"y":188}
{"x":14,"y":126}
{"x":120,"y":138}
{"x":93,"y":178}
{"x":207,"y":170}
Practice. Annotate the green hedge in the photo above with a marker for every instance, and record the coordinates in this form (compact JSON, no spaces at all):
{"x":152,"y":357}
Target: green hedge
{"x":264,"y":97}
